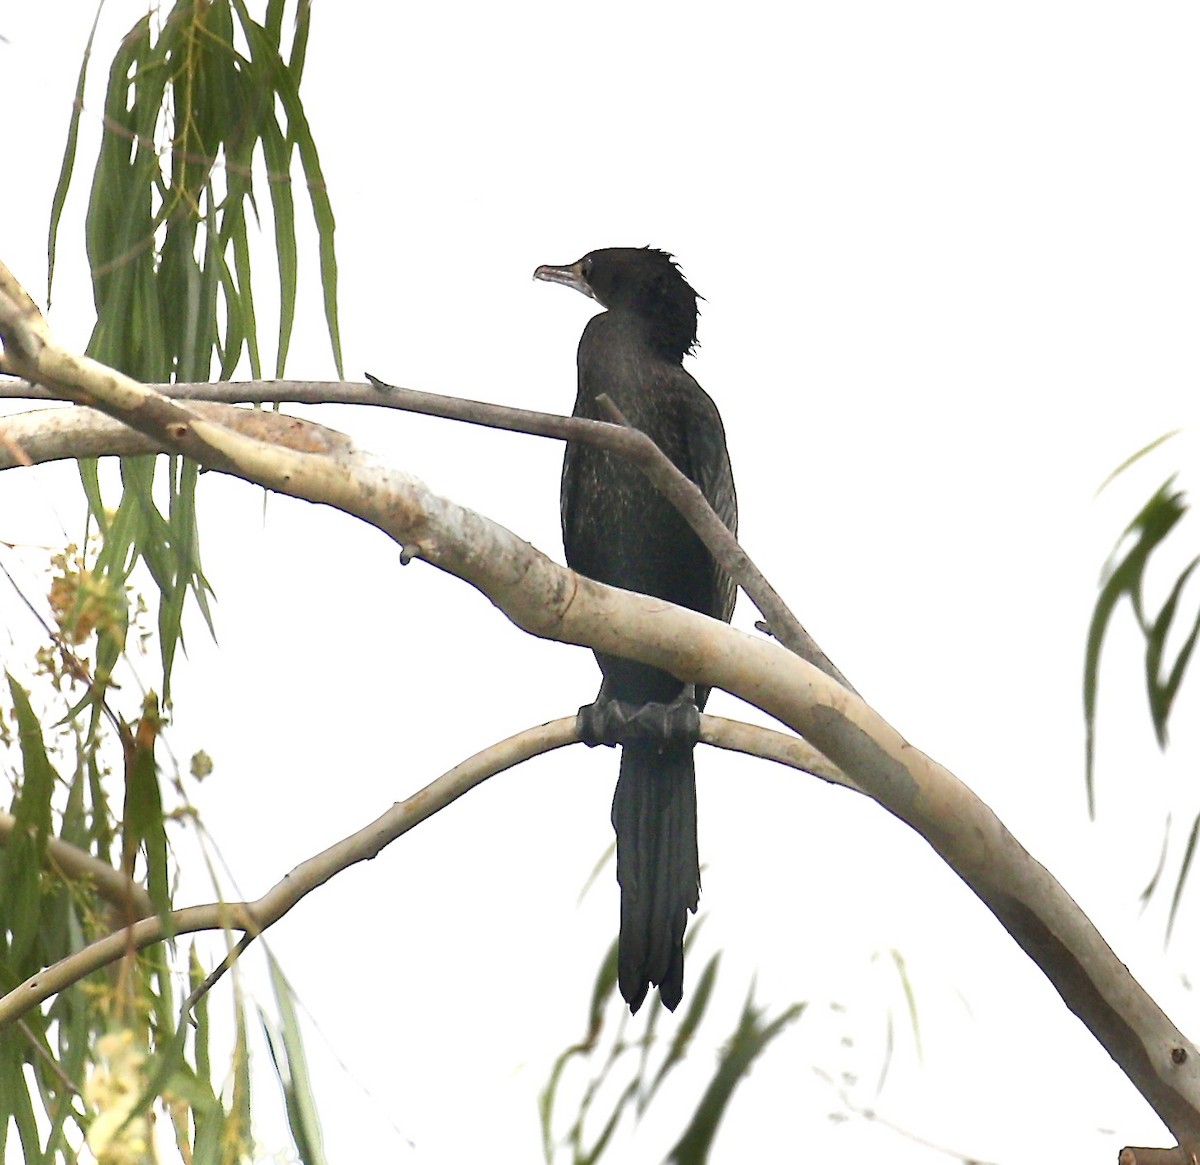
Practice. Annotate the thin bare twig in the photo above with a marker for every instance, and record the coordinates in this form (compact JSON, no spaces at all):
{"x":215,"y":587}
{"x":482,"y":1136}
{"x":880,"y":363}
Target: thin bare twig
{"x":214,"y":976}
{"x":618,"y":437}
{"x":52,"y":1065}
{"x":684,"y":494}
{"x":870,"y":1115}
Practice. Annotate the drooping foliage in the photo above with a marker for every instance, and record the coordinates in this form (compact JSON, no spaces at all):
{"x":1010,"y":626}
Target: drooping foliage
{"x":203,"y":130}
{"x":202,"y":116}
{"x":1168,"y":627}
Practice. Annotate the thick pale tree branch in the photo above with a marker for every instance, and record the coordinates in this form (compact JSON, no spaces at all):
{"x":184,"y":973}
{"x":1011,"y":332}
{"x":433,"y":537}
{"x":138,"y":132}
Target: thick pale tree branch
{"x":550,"y":601}
{"x":252,"y":918}
{"x":43,"y":435}
{"x":1136,"y":1156}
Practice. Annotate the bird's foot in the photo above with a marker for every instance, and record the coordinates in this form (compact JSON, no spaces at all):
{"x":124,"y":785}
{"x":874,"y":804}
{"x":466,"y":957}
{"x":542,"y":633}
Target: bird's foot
{"x":612,"y":722}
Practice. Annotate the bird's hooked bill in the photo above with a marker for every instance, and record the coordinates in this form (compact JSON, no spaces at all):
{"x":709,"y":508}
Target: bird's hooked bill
{"x":571,"y":276}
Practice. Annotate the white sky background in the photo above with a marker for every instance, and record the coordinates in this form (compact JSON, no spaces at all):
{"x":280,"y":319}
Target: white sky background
{"x":949,"y":254}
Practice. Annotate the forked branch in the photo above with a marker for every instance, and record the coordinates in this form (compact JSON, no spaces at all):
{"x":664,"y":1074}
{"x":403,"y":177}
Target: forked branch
{"x":552,"y":602}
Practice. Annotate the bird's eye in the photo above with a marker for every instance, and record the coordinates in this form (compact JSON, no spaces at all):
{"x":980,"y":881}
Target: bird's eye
{"x":586,"y":267}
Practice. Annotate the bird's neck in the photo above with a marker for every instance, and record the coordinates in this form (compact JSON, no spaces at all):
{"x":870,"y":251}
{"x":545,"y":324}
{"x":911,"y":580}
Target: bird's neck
{"x":635,"y":332}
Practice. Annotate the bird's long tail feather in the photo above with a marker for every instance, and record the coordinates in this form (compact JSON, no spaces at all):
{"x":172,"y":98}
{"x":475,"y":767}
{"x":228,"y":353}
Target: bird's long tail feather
{"x":658,"y":867}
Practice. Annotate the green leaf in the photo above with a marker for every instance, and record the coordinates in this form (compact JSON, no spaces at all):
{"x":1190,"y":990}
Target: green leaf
{"x":144,"y":825}
{"x":1189,"y":854}
{"x":1124,"y":576}
{"x":200,"y":1026}
{"x":209,"y":1118}
{"x":910,"y":999}
{"x":291,"y":1067}
{"x":603,"y":990}
{"x":597,"y":870}
{"x":1135,"y":458}
{"x":610,"y":1126}
{"x":21,"y":903}
{"x":195,"y":1089}
{"x":1148,"y":893}
{"x":748,"y":1043}
{"x":18,"y":1105}
{"x":279,"y":159}
{"x":286,"y":85}
{"x":299,"y":39}
{"x":896,"y":960}
{"x":32,"y":805}
{"x":1162,"y":692}
{"x":698,"y":1001}
{"x":100,"y":831}
{"x":238,"y":1124}
{"x":68,"y":163}
{"x":166,"y":1064}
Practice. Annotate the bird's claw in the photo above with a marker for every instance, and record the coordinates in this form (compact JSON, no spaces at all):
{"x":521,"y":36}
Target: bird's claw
{"x":613,"y":722}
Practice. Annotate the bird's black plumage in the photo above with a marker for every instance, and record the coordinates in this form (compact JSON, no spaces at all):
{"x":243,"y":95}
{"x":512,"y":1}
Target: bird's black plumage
{"x":619,"y":530}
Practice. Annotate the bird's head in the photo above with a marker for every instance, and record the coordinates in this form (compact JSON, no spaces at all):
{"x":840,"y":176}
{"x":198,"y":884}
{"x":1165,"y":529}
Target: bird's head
{"x":641,"y":281}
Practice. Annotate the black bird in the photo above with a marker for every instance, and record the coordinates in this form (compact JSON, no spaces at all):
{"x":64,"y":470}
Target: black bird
{"x":618,"y":529}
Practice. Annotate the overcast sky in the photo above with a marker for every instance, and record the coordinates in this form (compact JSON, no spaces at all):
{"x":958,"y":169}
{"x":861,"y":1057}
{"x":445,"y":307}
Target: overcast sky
{"x":949,"y":256}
